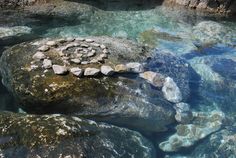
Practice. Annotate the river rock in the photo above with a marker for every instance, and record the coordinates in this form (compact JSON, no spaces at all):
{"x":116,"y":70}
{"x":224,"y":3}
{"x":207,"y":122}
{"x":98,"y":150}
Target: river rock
{"x":135,"y":67}
{"x":56,"y":135}
{"x":43,"y":48}
{"x":171,"y":91}
{"x":76,"y":71}
{"x":91,"y":72}
{"x":121,"y":68}
{"x":187,"y":135}
{"x":117,"y":100}
{"x":47,"y":64}
{"x":107,"y":70}
{"x":59,"y":70}
{"x":156,"y":79}
{"x":39,"y":56}
{"x":51,"y":43}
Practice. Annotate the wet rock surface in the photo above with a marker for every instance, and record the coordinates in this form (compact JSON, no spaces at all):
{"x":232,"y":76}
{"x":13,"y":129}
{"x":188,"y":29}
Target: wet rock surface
{"x":123,"y":99}
{"x":14,"y":31}
{"x":56,"y":135}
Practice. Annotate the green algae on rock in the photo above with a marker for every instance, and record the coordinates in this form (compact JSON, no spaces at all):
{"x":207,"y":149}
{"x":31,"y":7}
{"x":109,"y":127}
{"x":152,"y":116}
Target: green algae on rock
{"x":55,"y":135}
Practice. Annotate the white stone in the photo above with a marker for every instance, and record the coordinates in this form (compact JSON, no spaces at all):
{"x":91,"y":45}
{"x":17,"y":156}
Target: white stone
{"x":107,"y":70}
{"x":51,"y":43}
{"x":76,"y":71}
{"x":84,"y":62}
{"x":153,"y":78}
{"x":76,"y":61}
{"x":43,"y":48}
{"x":91,"y":72}
{"x":91,"y":54}
{"x":39,"y":56}
{"x":121,"y":68}
{"x":103,"y":46}
{"x":103,"y":56}
{"x":135,"y":67}
{"x":89,"y":40}
{"x":93,"y":61}
{"x":171,"y":91}
{"x":79,"y":39}
{"x":47,"y":64}
{"x":59,"y":70}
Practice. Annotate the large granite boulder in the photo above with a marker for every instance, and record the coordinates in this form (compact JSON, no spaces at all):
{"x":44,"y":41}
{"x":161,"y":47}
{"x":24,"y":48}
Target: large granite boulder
{"x":123,"y":99}
{"x":57,"y":135}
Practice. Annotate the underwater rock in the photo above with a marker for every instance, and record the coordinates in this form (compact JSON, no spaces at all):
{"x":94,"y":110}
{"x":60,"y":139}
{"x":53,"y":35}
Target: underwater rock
{"x":56,"y":135}
{"x":171,"y":91}
{"x":210,"y":32}
{"x":135,"y":67}
{"x":121,"y":68}
{"x":14,"y":31}
{"x":170,"y":65}
{"x":156,"y":79}
{"x":121,"y":100}
{"x":183,"y":113}
{"x":219,"y":144}
{"x":187,"y":135}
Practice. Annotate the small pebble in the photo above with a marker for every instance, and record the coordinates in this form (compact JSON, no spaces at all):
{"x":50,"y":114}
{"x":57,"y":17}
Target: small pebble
{"x":43,"y":48}
{"x":107,"y":70}
{"x":51,"y":43}
{"x":76,"y":71}
{"x":91,"y":72}
{"x":76,"y":61}
{"x":103,"y":46}
{"x":39,"y":56}
{"x":89,"y":40}
{"x":47,"y":64}
{"x":59,"y":70}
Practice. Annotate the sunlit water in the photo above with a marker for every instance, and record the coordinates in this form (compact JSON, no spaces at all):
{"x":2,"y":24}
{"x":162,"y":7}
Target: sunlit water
{"x":215,"y":63}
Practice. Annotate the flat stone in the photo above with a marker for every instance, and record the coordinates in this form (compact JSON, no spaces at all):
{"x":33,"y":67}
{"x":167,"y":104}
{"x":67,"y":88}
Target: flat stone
{"x":59,"y":70}
{"x":89,"y":40}
{"x":62,"y":40}
{"x":121,"y":68}
{"x":95,"y":44}
{"x":156,"y":79}
{"x":103,"y":46}
{"x":103,"y":56}
{"x":76,"y":61}
{"x":91,"y":54}
{"x":171,"y":91}
{"x":93,"y":61}
{"x":39,"y":56}
{"x":47,"y":64}
{"x":70,"y":39}
{"x":79,"y":39}
{"x":91,"y":72}
{"x":43,"y":48}
{"x":135,"y":67}
{"x":51,"y":43}
{"x":84,"y":62}
{"x":107,"y":70}
{"x":76,"y":71}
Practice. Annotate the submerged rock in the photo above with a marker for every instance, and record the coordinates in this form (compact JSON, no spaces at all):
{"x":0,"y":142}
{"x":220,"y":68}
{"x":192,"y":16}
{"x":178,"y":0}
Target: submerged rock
{"x":121,"y":100}
{"x":210,"y":32}
{"x":219,"y":144}
{"x":56,"y":135}
{"x":14,"y":31}
{"x":156,"y":79}
{"x":187,"y":135}
{"x":172,"y":66}
{"x":171,"y":91}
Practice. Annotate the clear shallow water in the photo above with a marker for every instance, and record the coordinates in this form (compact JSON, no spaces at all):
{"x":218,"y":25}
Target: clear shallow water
{"x":214,"y":63}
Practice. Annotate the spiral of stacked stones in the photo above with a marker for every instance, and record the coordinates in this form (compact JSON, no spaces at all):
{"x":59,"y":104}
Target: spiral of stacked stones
{"x":83,"y":52}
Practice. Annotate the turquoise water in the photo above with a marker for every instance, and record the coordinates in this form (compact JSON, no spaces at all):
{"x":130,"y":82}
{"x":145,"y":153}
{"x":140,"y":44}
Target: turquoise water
{"x":214,"y":61}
